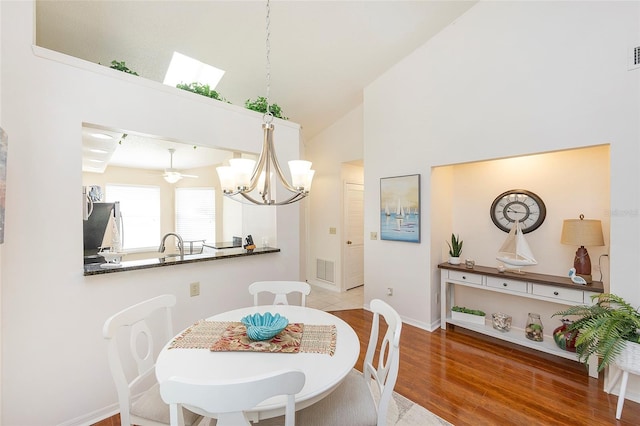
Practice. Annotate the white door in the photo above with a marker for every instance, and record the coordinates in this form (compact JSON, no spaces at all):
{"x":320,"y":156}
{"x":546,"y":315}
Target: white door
{"x":353,"y":253}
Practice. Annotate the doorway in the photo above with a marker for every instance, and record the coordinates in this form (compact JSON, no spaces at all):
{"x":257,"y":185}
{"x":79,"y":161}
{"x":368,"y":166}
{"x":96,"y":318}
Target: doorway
{"x":353,"y":251}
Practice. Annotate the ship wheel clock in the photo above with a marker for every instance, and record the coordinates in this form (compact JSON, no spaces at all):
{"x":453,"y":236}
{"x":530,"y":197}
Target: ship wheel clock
{"x":521,"y":205}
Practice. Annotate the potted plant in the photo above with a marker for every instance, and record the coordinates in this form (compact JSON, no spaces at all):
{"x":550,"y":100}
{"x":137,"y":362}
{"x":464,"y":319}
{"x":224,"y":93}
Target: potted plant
{"x":610,"y":329}
{"x":121,"y":66}
{"x":455,"y":249}
{"x":469,"y":315}
{"x":260,"y":105}
{"x":201,"y":89}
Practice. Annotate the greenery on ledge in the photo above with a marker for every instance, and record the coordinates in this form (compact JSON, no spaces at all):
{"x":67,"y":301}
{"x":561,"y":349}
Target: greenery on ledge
{"x":120,"y":66}
{"x":260,"y":105}
{"x":201,"y":89}
{"x":468,"y":311}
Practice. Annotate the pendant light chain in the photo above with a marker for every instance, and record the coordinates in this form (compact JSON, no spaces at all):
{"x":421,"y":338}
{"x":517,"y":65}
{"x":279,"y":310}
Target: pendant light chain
{"x":244,"y":175}
{"x":268,"y":65}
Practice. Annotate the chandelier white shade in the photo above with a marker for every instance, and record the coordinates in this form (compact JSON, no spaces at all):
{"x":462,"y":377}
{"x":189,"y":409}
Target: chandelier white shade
{"x":243,"y":175}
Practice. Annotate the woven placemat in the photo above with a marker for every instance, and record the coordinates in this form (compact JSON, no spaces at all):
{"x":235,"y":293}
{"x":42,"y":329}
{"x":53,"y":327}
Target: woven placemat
{"x":320,"y":339}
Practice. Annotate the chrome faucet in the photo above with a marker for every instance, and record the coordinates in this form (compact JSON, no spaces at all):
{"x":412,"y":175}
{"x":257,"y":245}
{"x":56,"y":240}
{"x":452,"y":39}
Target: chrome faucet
{"x":180,"y":243}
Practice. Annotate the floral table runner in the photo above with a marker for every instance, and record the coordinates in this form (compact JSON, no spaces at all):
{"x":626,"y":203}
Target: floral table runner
{"x":231,"y":336}
{"x":234,"y":338}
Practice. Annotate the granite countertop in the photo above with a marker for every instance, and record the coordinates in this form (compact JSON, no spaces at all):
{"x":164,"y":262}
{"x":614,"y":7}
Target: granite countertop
{"x":131,"y":265}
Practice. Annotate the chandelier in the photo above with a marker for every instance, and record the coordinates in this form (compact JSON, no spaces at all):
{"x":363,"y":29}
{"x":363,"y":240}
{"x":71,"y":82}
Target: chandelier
{"x":243,"y":175}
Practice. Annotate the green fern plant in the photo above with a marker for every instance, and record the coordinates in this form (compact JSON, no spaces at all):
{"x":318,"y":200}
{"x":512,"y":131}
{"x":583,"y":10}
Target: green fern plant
{"x":455,"y":247}
{"x":603,"y":328}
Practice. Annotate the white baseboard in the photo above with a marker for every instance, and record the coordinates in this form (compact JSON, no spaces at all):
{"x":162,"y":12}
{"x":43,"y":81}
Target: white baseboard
{"x":94,"y":417}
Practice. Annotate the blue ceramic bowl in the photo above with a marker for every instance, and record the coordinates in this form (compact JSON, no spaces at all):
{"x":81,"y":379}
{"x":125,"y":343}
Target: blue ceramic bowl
{"x":264,"y":326}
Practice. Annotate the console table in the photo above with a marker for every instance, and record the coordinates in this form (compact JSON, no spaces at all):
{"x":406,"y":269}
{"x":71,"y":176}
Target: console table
{"x":549,"y":288}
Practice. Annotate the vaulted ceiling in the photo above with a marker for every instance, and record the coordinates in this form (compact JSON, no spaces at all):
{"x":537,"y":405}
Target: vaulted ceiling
{"x":323,"y":53}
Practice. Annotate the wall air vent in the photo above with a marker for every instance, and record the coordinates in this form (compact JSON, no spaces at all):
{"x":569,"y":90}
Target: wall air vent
{"x":324,"y":270}
{"x":634,"y":58}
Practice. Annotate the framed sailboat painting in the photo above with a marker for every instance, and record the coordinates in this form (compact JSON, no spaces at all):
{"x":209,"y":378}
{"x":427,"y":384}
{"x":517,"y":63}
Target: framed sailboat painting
{"x":400,"y":208}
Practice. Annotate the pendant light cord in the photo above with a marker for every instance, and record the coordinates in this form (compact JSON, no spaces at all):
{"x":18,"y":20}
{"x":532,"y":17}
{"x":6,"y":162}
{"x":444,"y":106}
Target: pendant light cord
{"x":268,"y":113}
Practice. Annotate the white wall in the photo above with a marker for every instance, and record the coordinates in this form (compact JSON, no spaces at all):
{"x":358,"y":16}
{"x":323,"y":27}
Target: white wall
{"x":340,"y":143}
{"x":506,"y":79}
{"x":2,"y":244}
{"x":52,"y":315}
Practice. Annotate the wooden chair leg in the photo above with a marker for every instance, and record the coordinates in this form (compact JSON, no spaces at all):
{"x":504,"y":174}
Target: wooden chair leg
{"x":623,"y":390}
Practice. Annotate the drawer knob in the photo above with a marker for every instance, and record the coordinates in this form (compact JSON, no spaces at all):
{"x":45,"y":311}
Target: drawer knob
{"x":555,"y":293}
{"x":505,"y":284}
{"x":464,"y":277}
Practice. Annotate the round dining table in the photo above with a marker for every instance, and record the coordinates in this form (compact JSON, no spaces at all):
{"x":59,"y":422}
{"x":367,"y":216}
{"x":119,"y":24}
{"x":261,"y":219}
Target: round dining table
{"x":323,"y":372}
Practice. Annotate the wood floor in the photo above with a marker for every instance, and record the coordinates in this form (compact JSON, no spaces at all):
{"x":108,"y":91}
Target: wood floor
{"x":469,"y":379}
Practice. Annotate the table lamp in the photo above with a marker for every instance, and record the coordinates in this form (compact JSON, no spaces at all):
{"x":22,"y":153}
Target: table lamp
{"x":581,"y":232}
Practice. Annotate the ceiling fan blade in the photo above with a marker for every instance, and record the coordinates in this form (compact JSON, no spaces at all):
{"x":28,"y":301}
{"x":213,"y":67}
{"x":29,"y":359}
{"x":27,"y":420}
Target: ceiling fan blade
{"x":173,"y":172}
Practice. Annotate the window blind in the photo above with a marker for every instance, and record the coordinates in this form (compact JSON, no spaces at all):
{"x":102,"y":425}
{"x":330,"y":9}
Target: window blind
{"x":196,"y":214}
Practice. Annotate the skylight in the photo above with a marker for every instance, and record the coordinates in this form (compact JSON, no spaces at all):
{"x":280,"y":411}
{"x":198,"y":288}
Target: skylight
{"x":184,"y":69}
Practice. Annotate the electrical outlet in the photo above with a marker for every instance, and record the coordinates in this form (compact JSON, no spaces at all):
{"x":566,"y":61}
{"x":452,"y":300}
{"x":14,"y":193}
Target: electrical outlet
{"x":194,"y":289}
{"x":389,"y":291}
{"x":374,"y":235}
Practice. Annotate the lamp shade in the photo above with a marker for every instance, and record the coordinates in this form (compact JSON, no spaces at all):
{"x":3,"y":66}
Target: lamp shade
{"x":300,"y":173}
{"x":172,"y":177}
{"x":243,"y":170}
{"x":227,"y":178}
{"x":581,"y":232}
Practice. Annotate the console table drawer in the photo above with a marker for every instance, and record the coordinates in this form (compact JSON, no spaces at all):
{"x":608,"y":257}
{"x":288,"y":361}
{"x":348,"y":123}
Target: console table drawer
{"x":559,"y":293}
{"x":465,"y":277}
{"x":505,"y":284}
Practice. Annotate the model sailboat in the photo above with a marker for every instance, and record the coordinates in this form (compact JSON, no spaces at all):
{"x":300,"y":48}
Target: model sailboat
{"x":515,"y":252}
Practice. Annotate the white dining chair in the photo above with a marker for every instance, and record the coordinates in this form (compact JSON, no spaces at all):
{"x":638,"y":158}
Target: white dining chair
{"x":280,"y":289}
{"x":353,"y":402}
{"x":133,"y":326}
{"x":228,"y":400}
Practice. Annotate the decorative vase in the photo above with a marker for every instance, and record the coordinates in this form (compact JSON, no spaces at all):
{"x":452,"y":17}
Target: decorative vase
{"x":454,"y":260}
{"x":564,"y":339}
{"x":501,"y":322}
{"x":534,"y":328}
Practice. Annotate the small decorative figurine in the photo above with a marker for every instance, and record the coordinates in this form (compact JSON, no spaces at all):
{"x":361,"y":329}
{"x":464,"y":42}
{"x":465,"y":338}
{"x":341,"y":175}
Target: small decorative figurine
{"x":576,"y":278}
{"x":250,"y":245}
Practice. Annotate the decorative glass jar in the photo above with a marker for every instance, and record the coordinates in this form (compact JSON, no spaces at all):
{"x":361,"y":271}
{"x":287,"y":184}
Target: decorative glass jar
{"x":534,"y":328}
{"x":501,"y":322}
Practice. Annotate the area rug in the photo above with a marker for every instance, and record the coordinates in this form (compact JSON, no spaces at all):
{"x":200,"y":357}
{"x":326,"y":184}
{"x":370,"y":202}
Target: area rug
{"x":404,"y":412}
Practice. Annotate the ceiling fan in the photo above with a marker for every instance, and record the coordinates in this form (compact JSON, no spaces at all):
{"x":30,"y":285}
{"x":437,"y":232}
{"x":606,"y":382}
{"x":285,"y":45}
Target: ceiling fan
{"x":171,"y":175}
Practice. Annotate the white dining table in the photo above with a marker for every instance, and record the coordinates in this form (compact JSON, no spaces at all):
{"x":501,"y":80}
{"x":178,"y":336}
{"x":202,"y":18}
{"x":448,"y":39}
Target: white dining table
{"x":323,"y":372}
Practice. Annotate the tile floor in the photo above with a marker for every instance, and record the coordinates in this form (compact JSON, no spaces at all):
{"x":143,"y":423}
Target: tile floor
{"x":328,"y":300}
